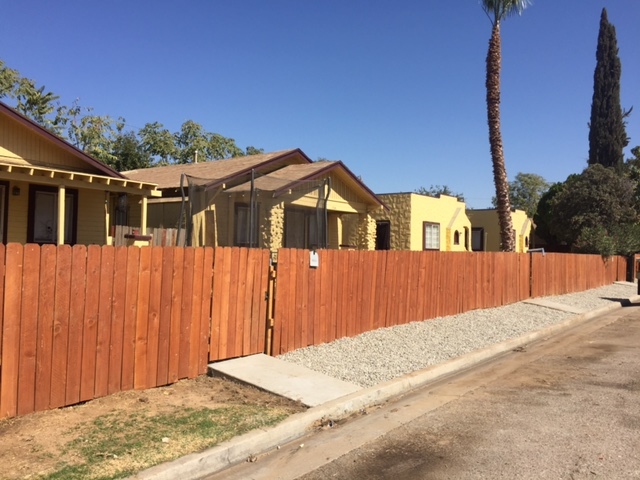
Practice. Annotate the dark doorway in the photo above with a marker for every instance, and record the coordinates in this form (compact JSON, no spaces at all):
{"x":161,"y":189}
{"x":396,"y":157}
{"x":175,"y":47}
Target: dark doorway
{"x":383,"y":235}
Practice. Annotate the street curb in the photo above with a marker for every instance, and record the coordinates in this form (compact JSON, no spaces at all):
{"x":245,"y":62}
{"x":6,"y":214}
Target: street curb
{"x":238,"y":449}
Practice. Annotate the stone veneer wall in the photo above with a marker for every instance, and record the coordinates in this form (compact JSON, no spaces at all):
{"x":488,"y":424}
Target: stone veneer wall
{"x":273,"y":233}
{"x":399,"y":215}
{"x":366,"y":232}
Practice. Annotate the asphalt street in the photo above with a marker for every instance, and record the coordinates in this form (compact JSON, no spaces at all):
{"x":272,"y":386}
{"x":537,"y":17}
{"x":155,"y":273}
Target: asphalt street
{"x":565,"y":407}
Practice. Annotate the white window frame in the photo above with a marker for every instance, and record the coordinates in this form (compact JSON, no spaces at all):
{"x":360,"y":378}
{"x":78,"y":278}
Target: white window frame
{"x":430,"y":236}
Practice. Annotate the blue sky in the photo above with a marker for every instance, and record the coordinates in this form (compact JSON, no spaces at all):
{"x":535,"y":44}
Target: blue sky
{"x":395,"y":89}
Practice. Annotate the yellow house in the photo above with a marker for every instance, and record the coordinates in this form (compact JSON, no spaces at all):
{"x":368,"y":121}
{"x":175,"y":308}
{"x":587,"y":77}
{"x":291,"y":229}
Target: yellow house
{"x":421,"y":222}
{"x":41,"y":175}
{"x":486,"y":230}
{"x":271,"y":200}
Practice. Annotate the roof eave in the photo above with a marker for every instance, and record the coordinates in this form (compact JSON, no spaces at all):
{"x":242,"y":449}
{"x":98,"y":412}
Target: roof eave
{"x":43,"y":132}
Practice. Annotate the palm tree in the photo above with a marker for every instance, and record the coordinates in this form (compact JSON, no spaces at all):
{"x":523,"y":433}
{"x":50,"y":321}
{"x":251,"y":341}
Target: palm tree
{"x":498,"y":10}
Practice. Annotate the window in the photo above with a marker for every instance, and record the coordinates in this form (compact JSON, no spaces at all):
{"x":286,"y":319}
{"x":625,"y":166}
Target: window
{"x":42,"y":224}
{"x":303,"y":228}
{"x":431,"y":236}
{"x":244,"y":235}
{"x":456,"y":238}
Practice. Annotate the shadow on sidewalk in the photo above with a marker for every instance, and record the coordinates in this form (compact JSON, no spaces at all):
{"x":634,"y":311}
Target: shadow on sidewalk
{"x":624,"y":302}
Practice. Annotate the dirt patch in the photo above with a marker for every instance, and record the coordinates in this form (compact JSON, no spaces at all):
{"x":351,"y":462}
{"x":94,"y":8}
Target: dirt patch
{"x":33,"y":446}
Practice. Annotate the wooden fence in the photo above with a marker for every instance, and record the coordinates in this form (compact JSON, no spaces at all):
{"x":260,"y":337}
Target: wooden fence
{"x":560,"y":273}
{"x":83,"y":322}
{"x":77,"y":323}
{"x":356,"y":291}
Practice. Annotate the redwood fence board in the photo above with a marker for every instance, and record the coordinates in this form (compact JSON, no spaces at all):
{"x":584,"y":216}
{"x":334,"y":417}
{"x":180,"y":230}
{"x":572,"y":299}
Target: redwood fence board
{"x":196,"y":306}
{"x":60,"y":349}
{"x":176,"y":314}
{"x":28,"y":330}
{"x":118,"y":308}
{"x":104,"y":321}
{"x":76,"y":319}
{"x":48,"y":255}
{"x":186,"y":312}
{"x":164,"y":330}
{"x":153,"y":324}
{"x":142,"y":320}
{"x":92,"y":295}
{"x":2,"y":270}
{"x":205,"y":311}
{"x":130,"y":318}
{"x":11,"y":331}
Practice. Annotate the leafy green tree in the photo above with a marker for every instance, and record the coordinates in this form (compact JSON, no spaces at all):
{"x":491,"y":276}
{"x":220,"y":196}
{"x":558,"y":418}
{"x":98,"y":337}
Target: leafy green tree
{"x":497,"y":11}
{"x":9,"y":81}
{"x":94,"y":134}
{"x":35,"y":103}
{"x":193,"y":138}
{"x":220,"y":147}
{"x":607,"y":135}
{"x":435,"y":190}
{"x":596,"y":201}
{"x":190,"y":139}
{"x":129,"y":153}
{"x":632,"y":171}
{"x":251,"y":150}
{"x":543,"y":218}
{"x":158,"y":143}
{"x":525,"y":192}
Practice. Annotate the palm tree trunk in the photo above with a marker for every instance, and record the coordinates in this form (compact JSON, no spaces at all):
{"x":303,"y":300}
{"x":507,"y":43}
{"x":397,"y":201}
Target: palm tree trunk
{"x":494,"y":58}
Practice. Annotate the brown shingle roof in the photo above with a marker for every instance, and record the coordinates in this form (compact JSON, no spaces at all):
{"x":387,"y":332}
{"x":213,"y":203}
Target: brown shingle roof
{"x":286,"y":177}
{"x":290,"y":176}
{"x":168,"y":176}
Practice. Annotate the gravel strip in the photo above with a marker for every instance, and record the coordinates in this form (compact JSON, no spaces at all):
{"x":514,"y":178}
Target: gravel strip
{"x":381,"y":355}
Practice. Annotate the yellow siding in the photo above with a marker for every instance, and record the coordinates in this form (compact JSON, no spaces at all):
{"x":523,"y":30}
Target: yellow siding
{"x":91,"y":217}
{"x":19,"y":145}
{"x":336,"y":202}
{"x":18,"y":208}
{"x":334,"y":229}
{"x":341,"y":197}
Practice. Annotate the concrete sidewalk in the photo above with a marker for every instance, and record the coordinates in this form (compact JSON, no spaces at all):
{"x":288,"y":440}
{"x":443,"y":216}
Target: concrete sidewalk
{"x":328,"y":397}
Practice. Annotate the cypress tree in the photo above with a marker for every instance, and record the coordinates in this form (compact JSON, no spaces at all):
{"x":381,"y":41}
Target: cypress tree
{"x":607,"y":135}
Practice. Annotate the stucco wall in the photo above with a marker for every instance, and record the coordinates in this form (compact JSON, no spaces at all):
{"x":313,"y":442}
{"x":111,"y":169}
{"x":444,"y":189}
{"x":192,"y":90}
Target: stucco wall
{"x":488,"y":219}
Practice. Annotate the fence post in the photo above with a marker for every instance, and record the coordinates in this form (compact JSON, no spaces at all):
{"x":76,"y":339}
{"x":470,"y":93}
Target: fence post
{"x":268,"y":348}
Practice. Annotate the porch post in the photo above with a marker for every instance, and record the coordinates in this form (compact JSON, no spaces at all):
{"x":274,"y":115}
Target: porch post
{"x":61,"y":213}
{"x":143,"y":216}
